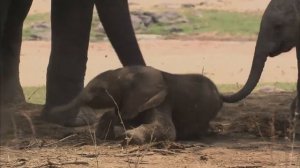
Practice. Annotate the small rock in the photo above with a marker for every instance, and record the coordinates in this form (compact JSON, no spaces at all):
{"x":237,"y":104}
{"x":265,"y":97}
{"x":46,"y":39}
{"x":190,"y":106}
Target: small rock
{"x":146,"y":18}
{"x":170,"y":18}
{"x":137,"y":22}
{"x":35,"y":37}
{"x":202,"y":3}
{"x":40,"y":26}
{"x":270,"y":89}
{"x":175,"y":29}
{"x":101,"y":28}
{"x":188,"y":5}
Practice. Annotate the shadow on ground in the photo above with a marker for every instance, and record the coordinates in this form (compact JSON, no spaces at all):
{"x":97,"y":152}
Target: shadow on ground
{"x":251,"y":128}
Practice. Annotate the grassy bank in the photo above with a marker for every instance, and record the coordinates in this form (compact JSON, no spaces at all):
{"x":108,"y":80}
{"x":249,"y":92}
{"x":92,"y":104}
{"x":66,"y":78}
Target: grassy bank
{"x":37,"y":94}
{"x":215,"y":24}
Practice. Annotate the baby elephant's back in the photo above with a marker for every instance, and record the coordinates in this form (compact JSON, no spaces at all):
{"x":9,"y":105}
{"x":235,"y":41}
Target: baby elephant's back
{"x":195,"y":101}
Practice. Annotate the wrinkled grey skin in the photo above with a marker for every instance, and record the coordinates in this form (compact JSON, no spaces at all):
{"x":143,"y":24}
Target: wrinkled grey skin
{"x":279,"y":32}
{"x":153,"y":105}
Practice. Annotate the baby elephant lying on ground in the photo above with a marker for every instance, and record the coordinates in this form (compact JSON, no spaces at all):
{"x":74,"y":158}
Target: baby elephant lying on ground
{"x":152,"y":104}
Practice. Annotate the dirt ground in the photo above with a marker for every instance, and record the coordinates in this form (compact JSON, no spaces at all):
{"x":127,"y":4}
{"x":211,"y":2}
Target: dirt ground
{"x":252,"y":133}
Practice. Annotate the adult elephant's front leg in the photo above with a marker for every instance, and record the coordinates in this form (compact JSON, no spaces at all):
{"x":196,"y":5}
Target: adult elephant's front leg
{"x":71,"y":23}
{"x":10,"y":45}
{"x":116,"y":21}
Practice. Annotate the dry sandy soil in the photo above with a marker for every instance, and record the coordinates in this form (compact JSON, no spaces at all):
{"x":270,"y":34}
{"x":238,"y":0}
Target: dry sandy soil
{"x":222,"y":61}
{"x":252,"y":133}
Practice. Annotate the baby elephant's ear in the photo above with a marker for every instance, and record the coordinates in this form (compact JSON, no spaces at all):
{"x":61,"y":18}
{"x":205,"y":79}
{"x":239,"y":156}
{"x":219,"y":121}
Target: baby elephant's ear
{"x":146,"y":90}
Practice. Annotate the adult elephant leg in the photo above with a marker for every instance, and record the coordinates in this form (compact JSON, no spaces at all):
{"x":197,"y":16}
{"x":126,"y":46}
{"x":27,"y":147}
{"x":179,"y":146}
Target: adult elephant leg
{"x":116,"y":21}
{"x":71,"y":24}
{"x":11,"y":91}
{"x":12,"y":15}
{"x":4,"y":7}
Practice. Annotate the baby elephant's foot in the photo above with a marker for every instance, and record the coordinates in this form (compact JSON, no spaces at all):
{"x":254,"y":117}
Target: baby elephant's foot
{"x":149,"y":133}
{"x":135,"y":136}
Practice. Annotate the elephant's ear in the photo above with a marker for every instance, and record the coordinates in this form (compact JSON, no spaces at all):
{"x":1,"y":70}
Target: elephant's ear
{"x":147,"y":90}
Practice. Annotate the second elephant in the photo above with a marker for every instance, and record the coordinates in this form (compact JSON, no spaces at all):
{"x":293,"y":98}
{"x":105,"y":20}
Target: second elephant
{"x":159,"y":105}
{"x":279,"y":32}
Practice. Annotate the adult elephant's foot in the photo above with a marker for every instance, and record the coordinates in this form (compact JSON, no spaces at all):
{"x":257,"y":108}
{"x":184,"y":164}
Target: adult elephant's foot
{"x":71,"y":118}
{"x":11,"y":93}
{"x":5,"y":123}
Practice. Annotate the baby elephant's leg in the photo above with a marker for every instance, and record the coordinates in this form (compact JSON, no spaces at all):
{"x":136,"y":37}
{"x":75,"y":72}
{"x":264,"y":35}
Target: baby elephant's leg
{"x":158,"y":127}
{"x":105,"y":127}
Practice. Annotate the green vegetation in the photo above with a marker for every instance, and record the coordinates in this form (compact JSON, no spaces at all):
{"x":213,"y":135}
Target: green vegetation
{"x":289,"y":87}
{"x":37,"y":94}
{"x":28,"y":31}
{"x":215,"y":23}
{"x":224,"y":23}
{"x":218,"y":23}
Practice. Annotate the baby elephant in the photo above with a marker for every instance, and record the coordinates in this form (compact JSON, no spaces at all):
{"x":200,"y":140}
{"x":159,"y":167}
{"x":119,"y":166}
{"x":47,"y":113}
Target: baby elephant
{"x":152,"y":105}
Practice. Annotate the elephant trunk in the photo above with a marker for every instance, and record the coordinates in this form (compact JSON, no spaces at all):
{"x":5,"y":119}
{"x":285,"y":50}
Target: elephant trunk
{"x":258,"y":63}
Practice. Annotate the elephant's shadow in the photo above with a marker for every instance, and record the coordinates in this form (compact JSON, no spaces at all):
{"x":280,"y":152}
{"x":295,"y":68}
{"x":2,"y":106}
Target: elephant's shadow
{"x":234,"y":122}
{"x":26,"y":129}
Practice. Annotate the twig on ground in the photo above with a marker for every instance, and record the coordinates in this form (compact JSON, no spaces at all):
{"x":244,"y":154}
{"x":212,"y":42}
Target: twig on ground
{"x":79,"y":144}
{"x":106,"y":134}
{"x":144,"y":147}
{"x":52,"y":164}
{"x":258,"y":128}
{"x":134,"y":154}
{"x":61,"y":140}
{"x":13,"y":121}
{"x":33,"y":93}
{"x":30,"y":122}
{"x":246,"y":166}
{"x":94,"y":139}
{"x":133,"y":162}
{"x":164,"y":151}
{"x":140,"y":159}
{"x":294,"y":124}
{"x":89,"y":155}
{"x":121,"y":120}
{"x":118,"y":110}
